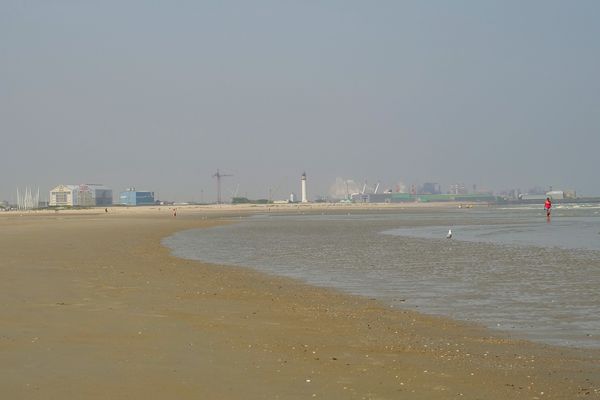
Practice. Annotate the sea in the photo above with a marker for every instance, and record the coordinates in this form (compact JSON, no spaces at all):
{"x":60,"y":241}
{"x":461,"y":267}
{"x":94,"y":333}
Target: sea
{"x":508,"y":268}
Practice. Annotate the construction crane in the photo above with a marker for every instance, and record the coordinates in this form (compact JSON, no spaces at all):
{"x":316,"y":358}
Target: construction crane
{"x":219,"y":175}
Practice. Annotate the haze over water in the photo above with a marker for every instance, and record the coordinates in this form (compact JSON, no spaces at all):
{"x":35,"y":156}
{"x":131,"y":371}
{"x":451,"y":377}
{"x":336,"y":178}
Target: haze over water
{"x":508,"y":269}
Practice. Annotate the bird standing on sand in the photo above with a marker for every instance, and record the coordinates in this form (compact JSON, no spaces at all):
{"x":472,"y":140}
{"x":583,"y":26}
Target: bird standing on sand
{"x":449,"y":235}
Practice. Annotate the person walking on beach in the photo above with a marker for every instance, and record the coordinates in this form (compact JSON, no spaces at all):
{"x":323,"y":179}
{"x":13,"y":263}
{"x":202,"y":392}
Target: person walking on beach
{"x":548,"y":206}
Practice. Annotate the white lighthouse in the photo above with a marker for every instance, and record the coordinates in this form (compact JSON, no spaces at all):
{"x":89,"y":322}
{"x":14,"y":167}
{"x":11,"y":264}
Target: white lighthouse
{"x":303,"y":181}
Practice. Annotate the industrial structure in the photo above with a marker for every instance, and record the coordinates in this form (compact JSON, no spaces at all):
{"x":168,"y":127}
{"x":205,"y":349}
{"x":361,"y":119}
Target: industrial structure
{"x":553,"y":194}
{"x":395,"y":197}
{"x":133,"y":197}
{"x":303,"y":182}
{"x":85,"y":195}
{"x":219,"y":175}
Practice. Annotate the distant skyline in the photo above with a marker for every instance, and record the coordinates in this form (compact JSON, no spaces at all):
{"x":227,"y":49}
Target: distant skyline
{"x":341,"y":188}
{"x":501,"y":94}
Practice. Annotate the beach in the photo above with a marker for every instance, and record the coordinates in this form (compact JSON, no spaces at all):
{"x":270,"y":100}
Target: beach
{"x":93,"y":306}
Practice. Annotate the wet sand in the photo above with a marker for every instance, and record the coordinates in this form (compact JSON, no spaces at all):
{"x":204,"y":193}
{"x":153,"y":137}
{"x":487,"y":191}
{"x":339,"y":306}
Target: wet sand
{"x":92,"y":306}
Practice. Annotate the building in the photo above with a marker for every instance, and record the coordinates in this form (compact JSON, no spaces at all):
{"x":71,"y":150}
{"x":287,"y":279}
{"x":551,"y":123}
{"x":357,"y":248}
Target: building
{"x":100,"y":194}
{"x":457,"y":188}
{"x":371,"y":197}
{"x":431,"y":188}
{"x":64,"y":195}
{"x":132,"y":197}
{"x":530,"y":197}
{"x":303,"y":182}
{"x":426,"y":198}
{"x":85,"y":195}
{"x":556,"y":194}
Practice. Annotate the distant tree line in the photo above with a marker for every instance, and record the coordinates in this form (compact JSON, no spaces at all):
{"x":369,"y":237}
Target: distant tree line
{"x":245,"y":200}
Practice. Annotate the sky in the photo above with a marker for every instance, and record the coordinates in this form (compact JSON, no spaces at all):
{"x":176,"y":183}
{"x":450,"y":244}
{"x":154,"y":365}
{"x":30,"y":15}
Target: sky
{"x":158,"y":95}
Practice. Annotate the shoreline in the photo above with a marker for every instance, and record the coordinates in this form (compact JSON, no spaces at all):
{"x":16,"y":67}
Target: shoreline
{"x":215,"y":209}
{"x":400,"y":296}
{"x":114,"y":314}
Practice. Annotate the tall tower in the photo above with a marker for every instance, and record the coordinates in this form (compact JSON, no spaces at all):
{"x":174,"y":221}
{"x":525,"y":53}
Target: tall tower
{"x":303,"y":181}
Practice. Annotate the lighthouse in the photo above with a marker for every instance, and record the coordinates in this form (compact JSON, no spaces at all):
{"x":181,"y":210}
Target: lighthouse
{"x":303,"y":181}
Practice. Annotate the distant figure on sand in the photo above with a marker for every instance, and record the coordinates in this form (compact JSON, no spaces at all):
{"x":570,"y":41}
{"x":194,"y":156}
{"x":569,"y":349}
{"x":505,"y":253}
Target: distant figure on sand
{"x":548,"y":206}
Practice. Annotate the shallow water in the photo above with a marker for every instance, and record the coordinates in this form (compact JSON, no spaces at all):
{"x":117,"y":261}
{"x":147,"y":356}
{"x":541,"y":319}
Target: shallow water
{"x":508,"y":269}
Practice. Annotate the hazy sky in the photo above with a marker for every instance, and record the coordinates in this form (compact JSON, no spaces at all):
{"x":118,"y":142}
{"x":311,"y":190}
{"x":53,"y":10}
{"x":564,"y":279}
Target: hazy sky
{"x":159,"y":94}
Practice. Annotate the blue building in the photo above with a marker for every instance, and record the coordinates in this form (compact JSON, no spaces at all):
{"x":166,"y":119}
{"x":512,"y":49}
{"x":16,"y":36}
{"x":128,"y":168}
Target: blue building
{"x":132,"y":197}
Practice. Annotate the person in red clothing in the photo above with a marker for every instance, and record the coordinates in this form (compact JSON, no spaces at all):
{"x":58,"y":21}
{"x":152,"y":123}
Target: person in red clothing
{"x":548,"y":206}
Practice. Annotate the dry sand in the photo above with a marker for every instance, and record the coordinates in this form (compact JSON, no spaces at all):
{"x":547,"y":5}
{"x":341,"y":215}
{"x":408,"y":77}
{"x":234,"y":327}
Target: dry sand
{"x":92,"y":306}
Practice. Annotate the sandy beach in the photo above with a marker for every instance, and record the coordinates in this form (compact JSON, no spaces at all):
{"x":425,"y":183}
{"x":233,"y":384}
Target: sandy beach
{"x":93,"y":306}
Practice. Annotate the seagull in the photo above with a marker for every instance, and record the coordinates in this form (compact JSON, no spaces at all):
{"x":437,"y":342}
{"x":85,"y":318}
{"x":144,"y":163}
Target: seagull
{"x":449,"y":235}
